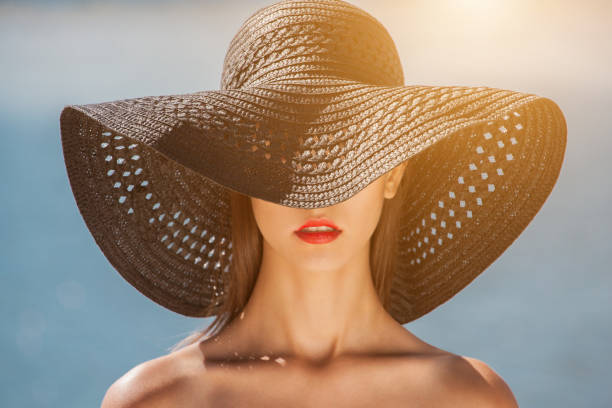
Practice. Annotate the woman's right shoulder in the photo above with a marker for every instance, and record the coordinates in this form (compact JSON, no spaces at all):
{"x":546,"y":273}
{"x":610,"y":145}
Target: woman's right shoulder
{"x":166,"y":381}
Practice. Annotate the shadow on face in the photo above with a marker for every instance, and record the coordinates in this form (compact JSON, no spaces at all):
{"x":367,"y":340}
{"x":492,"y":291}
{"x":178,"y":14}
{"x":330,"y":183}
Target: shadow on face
{"x":356,"y":217}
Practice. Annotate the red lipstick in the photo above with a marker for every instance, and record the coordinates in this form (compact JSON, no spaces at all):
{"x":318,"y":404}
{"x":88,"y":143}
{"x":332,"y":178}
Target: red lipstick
{"x":318,"y":237}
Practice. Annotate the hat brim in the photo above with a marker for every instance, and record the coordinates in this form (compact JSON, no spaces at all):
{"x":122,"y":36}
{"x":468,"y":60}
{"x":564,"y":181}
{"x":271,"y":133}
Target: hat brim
{"x":485,"y":161}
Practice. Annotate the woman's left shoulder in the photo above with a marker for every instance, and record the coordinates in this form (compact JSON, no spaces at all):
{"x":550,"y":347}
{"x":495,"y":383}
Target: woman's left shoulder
{"x":472,"y":382}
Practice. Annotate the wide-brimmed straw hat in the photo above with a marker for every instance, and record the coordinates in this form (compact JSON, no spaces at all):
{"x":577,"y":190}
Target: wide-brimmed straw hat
{"x":312,"y":108}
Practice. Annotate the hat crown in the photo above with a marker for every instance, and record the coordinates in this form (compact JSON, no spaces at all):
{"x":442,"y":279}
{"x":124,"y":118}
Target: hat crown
{"x":298,"y":40}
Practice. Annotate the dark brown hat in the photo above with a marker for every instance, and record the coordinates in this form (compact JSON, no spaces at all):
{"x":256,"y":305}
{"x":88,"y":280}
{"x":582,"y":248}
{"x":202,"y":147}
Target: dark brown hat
{"x":312,"y":108}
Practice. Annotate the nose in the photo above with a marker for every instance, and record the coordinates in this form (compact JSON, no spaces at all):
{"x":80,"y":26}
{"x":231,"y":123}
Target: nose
{"x":316,"y":214}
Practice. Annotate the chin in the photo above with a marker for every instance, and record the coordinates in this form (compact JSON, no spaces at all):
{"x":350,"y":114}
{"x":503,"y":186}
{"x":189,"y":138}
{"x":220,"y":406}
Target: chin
{"x":320,"y":260}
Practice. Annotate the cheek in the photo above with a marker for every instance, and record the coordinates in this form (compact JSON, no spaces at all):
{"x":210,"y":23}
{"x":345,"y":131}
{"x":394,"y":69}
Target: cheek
{"x":273,"y":221}
{"x":364,"y":216}
{"x":262,"y":217}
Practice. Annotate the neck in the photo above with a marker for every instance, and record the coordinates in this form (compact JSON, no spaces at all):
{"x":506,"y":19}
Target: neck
{"x":314,"y":314}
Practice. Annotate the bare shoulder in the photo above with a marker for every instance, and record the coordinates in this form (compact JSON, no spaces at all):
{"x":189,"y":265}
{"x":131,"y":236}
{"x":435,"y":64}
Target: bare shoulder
{"x":165,"y":381}
{"x":471,"y":382}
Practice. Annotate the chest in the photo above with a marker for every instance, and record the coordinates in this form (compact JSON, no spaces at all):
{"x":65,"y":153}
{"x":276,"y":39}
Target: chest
{"x":351,"y":386}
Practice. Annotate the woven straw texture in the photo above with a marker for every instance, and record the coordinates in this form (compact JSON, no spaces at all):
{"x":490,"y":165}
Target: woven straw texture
{"x":312,"y":108}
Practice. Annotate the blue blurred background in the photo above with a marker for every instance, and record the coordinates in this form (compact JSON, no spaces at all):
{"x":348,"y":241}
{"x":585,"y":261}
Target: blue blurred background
{"x":539,"y":315}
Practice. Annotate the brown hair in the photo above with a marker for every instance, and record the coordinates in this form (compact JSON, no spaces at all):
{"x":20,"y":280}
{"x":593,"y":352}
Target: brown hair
{"x":247,"y":253}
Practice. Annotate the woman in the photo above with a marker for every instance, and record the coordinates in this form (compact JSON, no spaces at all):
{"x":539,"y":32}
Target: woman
{"x":208,"y":203}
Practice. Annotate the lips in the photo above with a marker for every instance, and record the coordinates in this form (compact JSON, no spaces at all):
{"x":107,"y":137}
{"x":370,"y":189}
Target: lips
{"x":318,"y":237}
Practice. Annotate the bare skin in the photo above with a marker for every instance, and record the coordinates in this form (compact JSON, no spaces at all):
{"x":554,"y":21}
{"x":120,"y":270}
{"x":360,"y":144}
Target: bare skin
{"x":314,"y":332}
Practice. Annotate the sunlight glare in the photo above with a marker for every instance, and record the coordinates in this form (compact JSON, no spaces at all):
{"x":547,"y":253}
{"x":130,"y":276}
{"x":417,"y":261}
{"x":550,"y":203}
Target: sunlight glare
{"x":480,"y":7}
